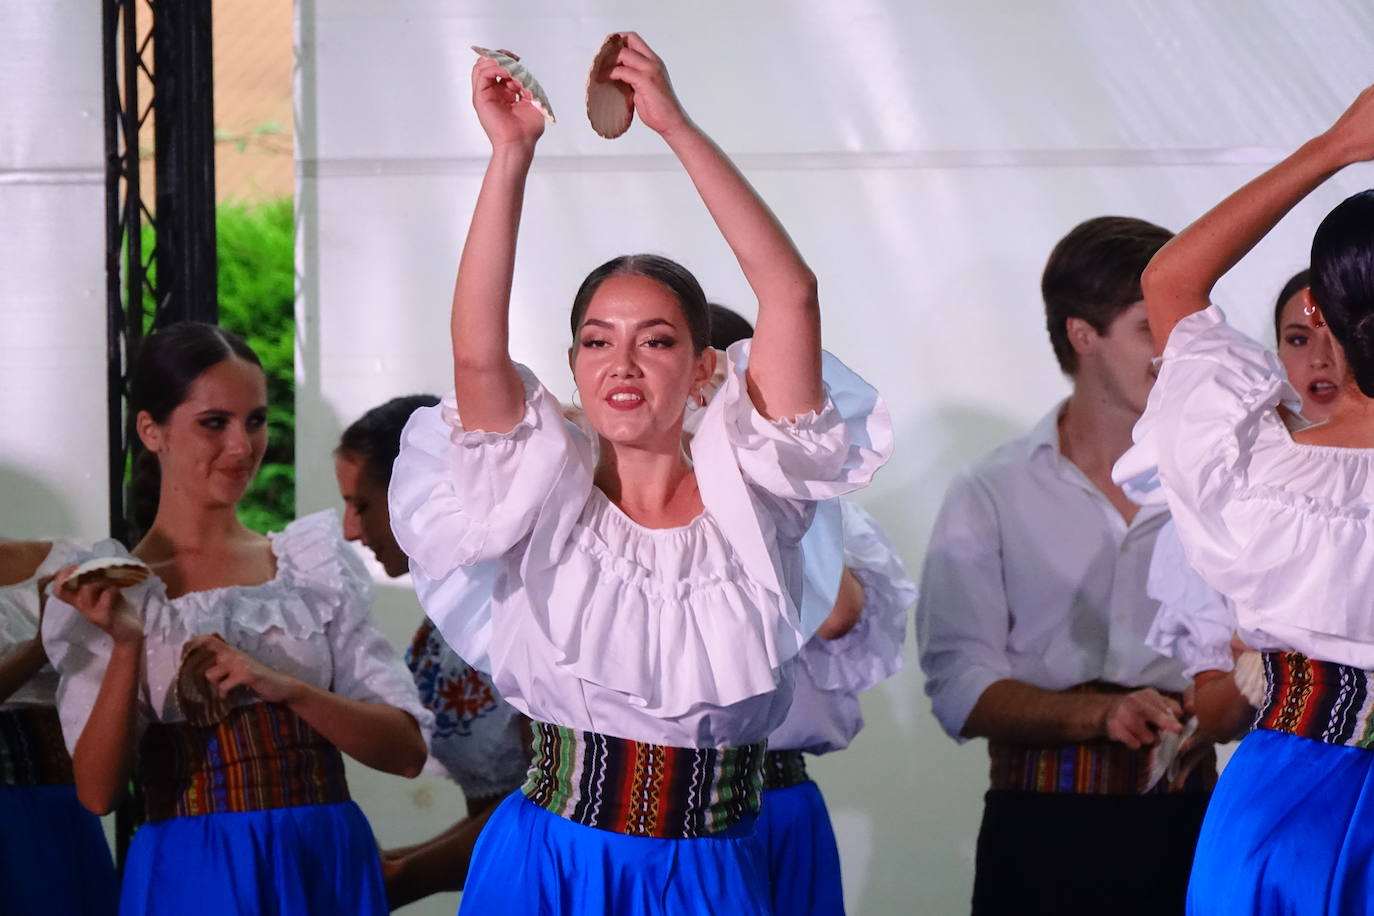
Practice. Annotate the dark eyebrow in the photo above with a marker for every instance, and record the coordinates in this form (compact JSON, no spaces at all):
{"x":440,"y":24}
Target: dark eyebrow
{"x":647,"y":323}
{"x":1292,"y":325}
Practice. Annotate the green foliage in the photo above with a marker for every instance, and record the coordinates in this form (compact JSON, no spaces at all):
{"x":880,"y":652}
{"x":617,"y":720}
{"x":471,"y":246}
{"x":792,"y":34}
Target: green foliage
{"x":257,"y":295}
{"x":256,"y":247}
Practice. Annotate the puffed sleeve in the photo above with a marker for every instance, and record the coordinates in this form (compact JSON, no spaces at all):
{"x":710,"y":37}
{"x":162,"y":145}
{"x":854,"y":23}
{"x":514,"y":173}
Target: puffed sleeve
{"x":963,"y":614}
{"x":1195,"y":622}
{"x":872,"y":650}
{"x":461,"y":497}
{"x":1216,"y":390}
{"x":80,"y":651}
{"x":365,"y":666}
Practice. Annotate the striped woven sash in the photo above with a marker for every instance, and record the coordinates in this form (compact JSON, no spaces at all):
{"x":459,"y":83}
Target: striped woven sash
{"x":1101,"y":767}
{"x":31,"y":749}
{"x":262,"y":756}
{"x":783,"y":769}
{"x":643,"y":789}
{"x":1320,"y":700}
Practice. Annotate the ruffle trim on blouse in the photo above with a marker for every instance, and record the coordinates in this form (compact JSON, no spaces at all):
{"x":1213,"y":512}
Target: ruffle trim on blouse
{"x":873,"y":650}
{"x":312,"y":563}
{"x":1252,"y":385}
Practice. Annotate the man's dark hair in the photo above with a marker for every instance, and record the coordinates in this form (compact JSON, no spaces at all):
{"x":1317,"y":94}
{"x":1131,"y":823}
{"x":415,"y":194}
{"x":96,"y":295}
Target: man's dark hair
{"x":1093,"y":273}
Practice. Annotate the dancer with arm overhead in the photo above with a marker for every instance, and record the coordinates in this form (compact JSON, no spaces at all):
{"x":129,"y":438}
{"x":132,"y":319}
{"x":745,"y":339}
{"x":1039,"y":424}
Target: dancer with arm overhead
{"x":641,"y":606}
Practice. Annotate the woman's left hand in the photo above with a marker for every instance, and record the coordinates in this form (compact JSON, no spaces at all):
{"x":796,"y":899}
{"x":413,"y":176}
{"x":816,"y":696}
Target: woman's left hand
{"x":655,"y":102}
{"x":233,"y":668}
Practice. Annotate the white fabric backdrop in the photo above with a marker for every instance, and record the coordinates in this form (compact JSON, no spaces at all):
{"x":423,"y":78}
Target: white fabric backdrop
{"x":925,"y":155}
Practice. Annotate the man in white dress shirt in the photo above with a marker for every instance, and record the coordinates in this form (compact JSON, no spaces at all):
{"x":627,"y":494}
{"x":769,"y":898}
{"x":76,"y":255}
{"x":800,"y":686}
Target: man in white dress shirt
{"x":1033,"y":615}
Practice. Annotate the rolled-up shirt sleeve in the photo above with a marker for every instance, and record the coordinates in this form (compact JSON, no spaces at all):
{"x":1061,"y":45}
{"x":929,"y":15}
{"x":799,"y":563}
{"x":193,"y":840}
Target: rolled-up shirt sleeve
{"x":962,"y":615}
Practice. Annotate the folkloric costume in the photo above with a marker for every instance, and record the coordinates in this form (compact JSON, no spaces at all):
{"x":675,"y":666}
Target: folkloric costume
{"x":654,"y":662}
{"x":1283,"y":531}
{"x":803,"y":859}
{"x":477,"y":736}
{"x":53,"y":854}
{"x":251,"y":814}
{"x":1033,"y":575}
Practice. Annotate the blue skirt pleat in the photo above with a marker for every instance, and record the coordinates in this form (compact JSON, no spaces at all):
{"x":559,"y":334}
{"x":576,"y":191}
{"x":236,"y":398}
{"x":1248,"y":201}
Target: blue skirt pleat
{"x":53,"y":855}
{"x":803,"y":858}
{"x":309,"y":859}
{"x":531,"y":862}
{"x":1290,"y":831}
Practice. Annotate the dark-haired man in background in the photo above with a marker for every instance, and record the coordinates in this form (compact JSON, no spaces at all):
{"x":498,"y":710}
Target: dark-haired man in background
{"x":1033,"y":615}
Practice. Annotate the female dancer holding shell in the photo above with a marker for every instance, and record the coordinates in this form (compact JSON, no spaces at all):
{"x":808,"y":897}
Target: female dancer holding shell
{"x":246,"y":801}
{"x":1280,"y":523}
{"x":640,"y":606}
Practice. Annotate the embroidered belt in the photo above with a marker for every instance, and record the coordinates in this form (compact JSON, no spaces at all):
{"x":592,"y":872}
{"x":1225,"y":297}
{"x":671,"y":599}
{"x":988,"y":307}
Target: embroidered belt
{"x":1100,"y":767}
{"x":262,"y":756}
{"x":783,"y":769}
{"x":643,"y":789}
{"x":31,"y":749}
{"x":1320,"y":700}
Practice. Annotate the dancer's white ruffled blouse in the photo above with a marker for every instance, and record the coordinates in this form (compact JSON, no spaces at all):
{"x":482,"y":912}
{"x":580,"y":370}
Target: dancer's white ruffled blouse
{"x":19,"y":607}
{"x":312,"y":621}
{"x":585,"y":619}
{"x":831,"y":673}
{"x":1195,"y":622}
{"x":1274,"y":525}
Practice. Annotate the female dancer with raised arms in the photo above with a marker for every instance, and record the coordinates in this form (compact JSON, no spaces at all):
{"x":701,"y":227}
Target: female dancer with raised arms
{"x":1280,"y":523}
{"x":640,"y":606}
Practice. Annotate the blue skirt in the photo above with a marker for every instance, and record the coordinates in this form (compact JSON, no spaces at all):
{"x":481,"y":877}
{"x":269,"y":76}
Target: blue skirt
{"x":309,"y":859}
{"x":531,"y":862}
{"x":803,"y":859}
{"x":53,"y":855}
{"x":1290,"y":830}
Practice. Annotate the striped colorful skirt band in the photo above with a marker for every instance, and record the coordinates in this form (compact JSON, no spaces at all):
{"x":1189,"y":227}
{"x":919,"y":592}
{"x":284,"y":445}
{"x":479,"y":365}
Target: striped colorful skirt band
{"x":262,"y":756}
{"x":1101,"y":767}
{"x":643,"y":789}
{"x":783,"y":770}
{"x":1320,"y":700}
{"x":31,"y":749}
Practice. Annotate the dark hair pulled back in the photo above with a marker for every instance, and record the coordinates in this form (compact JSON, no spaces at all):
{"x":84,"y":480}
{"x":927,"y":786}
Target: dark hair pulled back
{"x":728,"y":326}
{"x":168,"y":361}
{"x":1343,"y":282}
{"x":670,"y":273}
{"x":375,"y":437}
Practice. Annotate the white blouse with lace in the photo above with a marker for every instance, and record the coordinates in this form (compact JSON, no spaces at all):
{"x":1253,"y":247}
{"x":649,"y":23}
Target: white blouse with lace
{"x":19,"y":604}
{"x":831,"y":673}
{"x":312,"y":621}
{"x":1282,"y":529}
{"x":585,"y":619}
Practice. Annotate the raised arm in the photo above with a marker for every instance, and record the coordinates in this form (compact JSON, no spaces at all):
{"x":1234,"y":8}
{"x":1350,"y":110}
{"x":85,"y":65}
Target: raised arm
{"x":785,"y":358}
{"x":1179,"y":280}
{"x":485,"y":383}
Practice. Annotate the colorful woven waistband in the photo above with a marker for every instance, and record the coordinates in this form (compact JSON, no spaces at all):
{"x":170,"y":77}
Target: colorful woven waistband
{"x":1101,"y":767}
{"x":31,"y":749}
{"x":1320,"y":700}
{"x":643,"y":789}
{"x":262,"y":756}
{"x":783,"y":769}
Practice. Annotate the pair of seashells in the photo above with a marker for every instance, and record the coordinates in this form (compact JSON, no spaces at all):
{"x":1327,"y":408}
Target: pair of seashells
{"x":610,"y":103}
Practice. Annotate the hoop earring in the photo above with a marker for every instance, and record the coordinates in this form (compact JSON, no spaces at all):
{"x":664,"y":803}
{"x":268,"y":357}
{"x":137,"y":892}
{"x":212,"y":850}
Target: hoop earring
{"x":1314,"y":313}
{"x":575,"y":402}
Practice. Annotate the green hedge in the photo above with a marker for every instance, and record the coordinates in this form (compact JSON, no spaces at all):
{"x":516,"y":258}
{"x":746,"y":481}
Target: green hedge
{"x":256,"y":247}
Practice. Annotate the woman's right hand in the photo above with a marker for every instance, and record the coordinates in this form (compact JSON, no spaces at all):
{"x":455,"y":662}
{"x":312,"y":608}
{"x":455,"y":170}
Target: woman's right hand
{"x":1353,"y":131}
{"x":506,"y":114}
{"x":102,"y":603}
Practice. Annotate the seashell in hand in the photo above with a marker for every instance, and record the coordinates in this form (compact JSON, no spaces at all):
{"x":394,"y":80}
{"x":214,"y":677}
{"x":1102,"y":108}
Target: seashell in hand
{"x":529,"y":86}
{"x":610,"y":103}
{"x":120,"y":571}
{"x":197,"y":698}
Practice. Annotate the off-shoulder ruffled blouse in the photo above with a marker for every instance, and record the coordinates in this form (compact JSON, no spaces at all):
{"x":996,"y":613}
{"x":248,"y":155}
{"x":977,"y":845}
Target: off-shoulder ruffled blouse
{"x":585,"y":619}
{"x":831,"y":673}
{"x":1284,"y":530}
{"x":312,"y":621}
